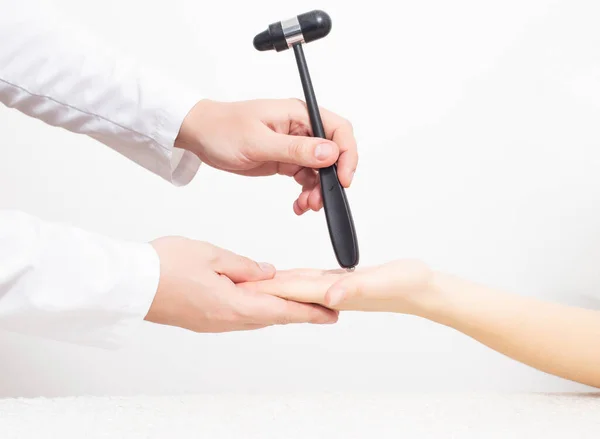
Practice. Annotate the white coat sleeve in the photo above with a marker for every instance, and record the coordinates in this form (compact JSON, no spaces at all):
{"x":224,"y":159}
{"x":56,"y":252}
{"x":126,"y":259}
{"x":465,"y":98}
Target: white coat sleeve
{"x":56,"y":71}
{"x":57,"y":281}
{"x":66,"y":284}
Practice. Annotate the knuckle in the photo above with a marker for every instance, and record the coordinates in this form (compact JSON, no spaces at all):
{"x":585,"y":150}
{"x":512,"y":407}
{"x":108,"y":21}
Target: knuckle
{"x":213,"y":254}
{"x":295,"y":149}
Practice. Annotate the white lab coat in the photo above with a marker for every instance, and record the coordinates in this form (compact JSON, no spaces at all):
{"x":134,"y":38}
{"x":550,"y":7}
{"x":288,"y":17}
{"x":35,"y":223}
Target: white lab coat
{"x":61,"y":282}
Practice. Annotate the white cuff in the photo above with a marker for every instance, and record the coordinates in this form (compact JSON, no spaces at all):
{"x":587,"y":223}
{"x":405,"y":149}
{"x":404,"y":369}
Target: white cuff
{"x":67,"y":284}
{"x":172,"y":103}
{"x":130,"y":300}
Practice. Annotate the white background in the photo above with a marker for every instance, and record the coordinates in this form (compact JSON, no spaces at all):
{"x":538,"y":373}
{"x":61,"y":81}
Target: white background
{"x":479,"y":131}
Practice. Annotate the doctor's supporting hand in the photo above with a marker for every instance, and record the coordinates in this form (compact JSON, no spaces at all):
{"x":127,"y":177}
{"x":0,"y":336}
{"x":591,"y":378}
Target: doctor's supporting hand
{"x":557,"y":339}
{"x":198,"y":291}
{"x":267,"y":137}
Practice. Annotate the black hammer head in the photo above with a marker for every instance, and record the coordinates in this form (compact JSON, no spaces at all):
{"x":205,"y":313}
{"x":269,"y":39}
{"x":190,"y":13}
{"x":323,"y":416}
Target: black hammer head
{"x":303,"y":28}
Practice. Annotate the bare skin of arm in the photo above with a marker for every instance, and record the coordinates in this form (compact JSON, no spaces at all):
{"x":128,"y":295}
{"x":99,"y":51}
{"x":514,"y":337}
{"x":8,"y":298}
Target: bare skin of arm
{"x":553,"y":338}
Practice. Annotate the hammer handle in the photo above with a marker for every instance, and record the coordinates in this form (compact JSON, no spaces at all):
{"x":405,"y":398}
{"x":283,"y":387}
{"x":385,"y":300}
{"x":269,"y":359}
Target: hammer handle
{"x":337,"y":210}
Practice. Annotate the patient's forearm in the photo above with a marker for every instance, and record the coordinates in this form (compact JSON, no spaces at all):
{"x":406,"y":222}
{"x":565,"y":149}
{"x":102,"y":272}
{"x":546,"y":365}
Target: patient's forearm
{"x":557,"y":339}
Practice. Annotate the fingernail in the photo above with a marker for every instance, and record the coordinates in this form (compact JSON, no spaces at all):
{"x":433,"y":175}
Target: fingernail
{"x":323,"y":151}
{"x":336,"y":297}
{"x":267,"y":268}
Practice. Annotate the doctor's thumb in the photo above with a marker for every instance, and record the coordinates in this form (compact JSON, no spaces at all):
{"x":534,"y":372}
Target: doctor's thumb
{"x":309,"y":152}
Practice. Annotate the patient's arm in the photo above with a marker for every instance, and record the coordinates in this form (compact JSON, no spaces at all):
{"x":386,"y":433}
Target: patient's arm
{"x":557,"y":339}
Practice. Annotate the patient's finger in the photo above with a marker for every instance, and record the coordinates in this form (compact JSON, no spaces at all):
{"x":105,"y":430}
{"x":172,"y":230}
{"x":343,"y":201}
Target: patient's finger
{"x":308,"y":286}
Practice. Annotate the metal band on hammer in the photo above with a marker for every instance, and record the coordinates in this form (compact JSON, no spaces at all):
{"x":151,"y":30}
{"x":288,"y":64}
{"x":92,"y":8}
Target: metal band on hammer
{"x":292,"y":31}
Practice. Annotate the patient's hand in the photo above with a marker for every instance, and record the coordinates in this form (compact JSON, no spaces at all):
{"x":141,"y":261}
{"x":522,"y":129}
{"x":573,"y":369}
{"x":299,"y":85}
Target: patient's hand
{"x":398,"y":286}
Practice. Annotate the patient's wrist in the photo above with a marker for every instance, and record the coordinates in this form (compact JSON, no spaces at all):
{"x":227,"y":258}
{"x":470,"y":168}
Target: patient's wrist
{"x":436,"y":302}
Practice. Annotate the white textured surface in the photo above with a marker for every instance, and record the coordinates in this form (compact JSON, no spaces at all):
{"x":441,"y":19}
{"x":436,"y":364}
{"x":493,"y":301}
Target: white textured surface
{"x":305,"y":416}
